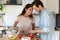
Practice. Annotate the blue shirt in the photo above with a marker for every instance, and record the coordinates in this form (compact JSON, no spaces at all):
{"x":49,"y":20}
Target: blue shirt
{"x":47,"y":24}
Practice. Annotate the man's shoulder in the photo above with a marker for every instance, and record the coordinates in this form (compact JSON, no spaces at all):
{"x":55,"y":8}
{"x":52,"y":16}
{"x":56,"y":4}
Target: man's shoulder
{"x":48,"y":12}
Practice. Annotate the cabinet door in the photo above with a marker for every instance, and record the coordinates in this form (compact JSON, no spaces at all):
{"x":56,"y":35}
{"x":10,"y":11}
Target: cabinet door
{"x":52,"y":5}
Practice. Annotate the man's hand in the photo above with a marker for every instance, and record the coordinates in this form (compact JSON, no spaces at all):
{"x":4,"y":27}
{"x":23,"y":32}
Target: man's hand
{"x":37,"y":31}
{"x":32,"y":31}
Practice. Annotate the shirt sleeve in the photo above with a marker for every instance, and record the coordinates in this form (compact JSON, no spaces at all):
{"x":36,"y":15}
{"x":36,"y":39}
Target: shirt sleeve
{"x":47,"y":22}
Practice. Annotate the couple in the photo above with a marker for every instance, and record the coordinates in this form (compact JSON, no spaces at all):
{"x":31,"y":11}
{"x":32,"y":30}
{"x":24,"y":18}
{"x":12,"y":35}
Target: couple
{"x":46,"y":24}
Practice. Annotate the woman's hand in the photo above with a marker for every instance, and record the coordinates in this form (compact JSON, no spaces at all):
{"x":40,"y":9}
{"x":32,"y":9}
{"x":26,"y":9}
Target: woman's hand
{"x":37,"y":31}
{"x":20,"y":29}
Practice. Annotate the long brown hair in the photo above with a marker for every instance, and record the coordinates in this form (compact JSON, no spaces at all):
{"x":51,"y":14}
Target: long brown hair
{"x":24,"y":11}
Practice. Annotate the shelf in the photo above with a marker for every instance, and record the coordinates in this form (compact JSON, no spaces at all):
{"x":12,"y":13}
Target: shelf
{"x":12,"y":4}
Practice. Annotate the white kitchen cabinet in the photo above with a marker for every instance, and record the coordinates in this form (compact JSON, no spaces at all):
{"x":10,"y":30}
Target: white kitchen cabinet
{"x":52,"y":5}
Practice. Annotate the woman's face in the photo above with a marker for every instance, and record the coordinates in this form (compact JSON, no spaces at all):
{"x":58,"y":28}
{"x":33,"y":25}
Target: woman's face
{"x":29,"y":11}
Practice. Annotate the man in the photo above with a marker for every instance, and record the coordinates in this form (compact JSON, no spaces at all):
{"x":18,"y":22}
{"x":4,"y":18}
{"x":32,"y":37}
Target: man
{"x":46,"y":23}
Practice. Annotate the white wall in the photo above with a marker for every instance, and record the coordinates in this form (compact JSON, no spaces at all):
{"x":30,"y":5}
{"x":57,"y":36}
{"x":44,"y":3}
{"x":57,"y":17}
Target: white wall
{"x":52,"y":5}
{"x":11,"y":12}
{"x":27,"y":1}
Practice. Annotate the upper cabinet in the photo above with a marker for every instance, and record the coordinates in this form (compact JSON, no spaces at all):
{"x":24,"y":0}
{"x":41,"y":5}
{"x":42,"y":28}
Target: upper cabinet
{"x":52,"y":5}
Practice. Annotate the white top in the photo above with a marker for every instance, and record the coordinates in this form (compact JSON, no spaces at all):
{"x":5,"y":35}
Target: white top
{"x":24,"y":22}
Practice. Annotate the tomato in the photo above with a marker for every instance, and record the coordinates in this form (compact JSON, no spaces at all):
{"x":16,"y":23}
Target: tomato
{"x":31,"y":35}
{"x":20,"y":36}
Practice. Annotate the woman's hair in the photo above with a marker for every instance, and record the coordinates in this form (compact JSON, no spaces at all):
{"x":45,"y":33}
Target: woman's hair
{"x":24,"y":10}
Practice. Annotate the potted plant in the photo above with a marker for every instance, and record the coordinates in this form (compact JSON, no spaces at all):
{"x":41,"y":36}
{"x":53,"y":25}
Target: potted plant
{"x":1,"y":7}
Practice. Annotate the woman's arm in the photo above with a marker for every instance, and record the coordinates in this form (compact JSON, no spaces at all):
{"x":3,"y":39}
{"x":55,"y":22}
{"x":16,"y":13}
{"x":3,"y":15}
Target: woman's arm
{"x":33,"y":26}
{"x":16,"y":28}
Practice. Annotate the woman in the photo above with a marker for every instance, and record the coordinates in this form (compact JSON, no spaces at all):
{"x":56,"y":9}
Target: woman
{"x":24,"y":20}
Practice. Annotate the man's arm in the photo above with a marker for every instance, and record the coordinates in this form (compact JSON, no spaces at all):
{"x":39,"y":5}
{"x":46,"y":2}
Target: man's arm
{"x":37,"y":31}
{"x":46,"y":22}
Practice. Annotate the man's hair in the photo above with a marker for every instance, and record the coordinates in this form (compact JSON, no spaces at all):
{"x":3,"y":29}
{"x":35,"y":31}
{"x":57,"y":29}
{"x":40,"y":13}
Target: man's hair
{"x":37,"y":3}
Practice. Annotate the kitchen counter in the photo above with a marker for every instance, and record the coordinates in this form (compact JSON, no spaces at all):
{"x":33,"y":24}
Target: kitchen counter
{"x":34,"y":38}
{"x":6,"y":38}
{"x":57,"y":33}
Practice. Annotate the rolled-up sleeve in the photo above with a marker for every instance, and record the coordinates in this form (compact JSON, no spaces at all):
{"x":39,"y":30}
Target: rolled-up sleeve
{"x":47,"y":23}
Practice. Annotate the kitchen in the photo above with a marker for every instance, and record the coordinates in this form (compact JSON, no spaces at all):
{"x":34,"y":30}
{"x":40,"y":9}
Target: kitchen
{"x":11,"y":12}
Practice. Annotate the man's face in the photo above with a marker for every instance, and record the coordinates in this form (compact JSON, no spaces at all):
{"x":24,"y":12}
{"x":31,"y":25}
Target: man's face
{"x":37,"y":8}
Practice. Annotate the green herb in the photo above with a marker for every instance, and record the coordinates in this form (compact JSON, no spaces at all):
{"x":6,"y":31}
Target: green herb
{"x":1,"y":7}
